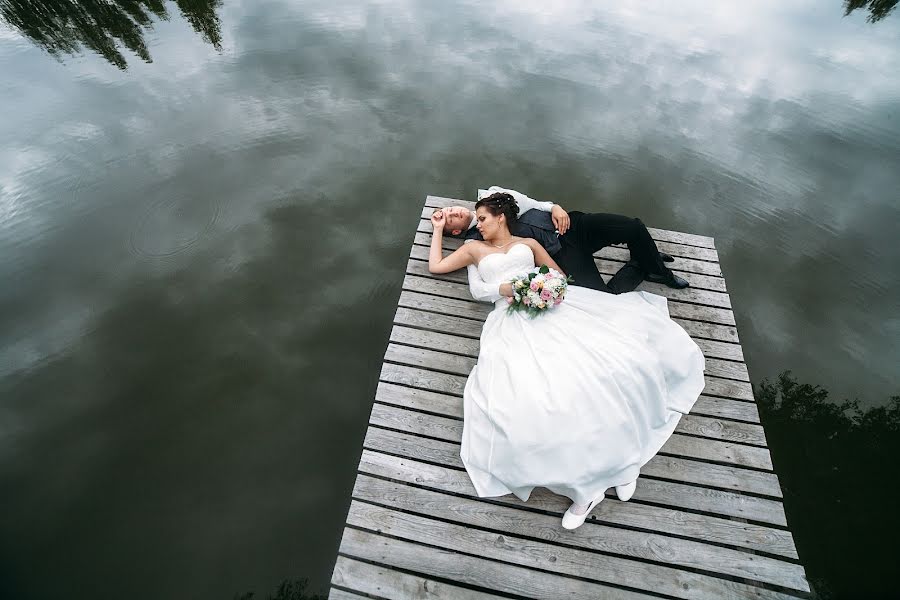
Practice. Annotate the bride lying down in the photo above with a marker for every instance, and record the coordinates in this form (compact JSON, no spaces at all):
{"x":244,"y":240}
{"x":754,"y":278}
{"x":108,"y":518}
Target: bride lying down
{"x":576,"y":400}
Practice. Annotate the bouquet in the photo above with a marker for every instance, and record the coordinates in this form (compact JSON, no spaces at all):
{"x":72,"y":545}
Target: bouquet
{"x":537,"y":291}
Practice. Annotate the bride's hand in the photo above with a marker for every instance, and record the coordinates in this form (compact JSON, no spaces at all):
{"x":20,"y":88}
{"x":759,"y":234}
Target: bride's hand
{"x":438,"y":220}
{"x":506,"y":289}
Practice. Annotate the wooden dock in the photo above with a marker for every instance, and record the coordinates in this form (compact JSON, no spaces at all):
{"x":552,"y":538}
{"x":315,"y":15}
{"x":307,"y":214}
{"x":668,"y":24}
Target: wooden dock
{"x":706,"y":521}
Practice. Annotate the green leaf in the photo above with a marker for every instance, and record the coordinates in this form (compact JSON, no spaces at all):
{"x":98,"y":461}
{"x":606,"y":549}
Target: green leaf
{"x":544,"y":269}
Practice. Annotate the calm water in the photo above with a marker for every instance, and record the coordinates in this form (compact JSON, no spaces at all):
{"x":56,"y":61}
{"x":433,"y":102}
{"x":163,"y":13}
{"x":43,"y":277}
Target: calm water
{"x":200,"y":255}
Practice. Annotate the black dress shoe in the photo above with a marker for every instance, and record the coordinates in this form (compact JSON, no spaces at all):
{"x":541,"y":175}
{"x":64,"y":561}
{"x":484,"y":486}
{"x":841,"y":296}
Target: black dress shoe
{"x":670,"y":279}
{"x":666,"y":257}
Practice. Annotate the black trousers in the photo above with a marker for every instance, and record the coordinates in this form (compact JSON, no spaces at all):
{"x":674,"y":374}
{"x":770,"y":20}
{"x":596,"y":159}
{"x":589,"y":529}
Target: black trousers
{"x":589,"y":232}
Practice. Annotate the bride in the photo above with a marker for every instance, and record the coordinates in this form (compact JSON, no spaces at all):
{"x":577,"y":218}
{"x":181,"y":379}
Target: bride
{"x":576,"y":400}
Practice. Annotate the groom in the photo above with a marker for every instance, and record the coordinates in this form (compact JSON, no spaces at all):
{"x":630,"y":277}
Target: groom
{"x":580,"y":236}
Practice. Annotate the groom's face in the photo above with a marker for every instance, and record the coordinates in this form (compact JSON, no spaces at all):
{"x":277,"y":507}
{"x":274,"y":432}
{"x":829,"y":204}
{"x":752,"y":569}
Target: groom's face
{"x":457,"y":219}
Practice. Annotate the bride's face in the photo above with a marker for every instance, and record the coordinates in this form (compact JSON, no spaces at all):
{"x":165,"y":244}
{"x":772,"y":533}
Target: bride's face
{"x":490,"y":226}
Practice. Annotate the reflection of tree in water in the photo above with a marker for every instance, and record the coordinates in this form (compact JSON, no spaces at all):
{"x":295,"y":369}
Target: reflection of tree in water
{"x":288,"y":590}
{"x":878,"y":9}
{"x":65,"y":26}
{"x":838,"y":468}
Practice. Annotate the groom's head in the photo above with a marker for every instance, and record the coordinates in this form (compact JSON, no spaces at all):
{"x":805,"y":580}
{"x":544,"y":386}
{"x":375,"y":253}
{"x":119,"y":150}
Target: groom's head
{"x":456,"y":219}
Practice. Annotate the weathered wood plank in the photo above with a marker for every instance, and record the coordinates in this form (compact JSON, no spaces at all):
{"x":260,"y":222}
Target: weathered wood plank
{"x":692,"y":424}
{"x":445,"y":404}
{"x":726,"y":408}
{"x":385,"y":582}
{"x":338,"y":594}
{"x":661,"y":492}
{"x":591,"y":560}
{"x":429,"y":295}
{"x":444,"y":323}
{"x":449,"y":429}
{"x":728,"y":369}
{"x":506,"y":523}
{"x":677,"y":308}
{"x":453,"y":384}
{"x":462,"y":365}
{"x":657,"y":234}
{"x":629,"y":514}
{"x":447,"y":342}
{"x":661,"y":466}
{"x":472,"y":570}
{"x":689,"y":294}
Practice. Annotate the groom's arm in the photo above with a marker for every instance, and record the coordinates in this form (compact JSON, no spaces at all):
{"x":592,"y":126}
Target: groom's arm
{"x":558,"y":214}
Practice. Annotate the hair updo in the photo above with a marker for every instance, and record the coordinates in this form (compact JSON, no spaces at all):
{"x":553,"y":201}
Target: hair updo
{"x":500,"y":203}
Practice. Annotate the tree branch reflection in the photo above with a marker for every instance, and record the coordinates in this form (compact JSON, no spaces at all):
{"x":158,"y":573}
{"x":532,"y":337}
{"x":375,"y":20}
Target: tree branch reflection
{"x":837,"y":466}
{"x":105,"y":26}
{"x":878,"y":9}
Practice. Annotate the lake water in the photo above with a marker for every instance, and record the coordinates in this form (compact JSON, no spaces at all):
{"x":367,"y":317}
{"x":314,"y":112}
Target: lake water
{"x":200,"y":255}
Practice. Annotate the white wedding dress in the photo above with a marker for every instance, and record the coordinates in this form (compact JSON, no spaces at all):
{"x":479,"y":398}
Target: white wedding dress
{"x":578,"y":399}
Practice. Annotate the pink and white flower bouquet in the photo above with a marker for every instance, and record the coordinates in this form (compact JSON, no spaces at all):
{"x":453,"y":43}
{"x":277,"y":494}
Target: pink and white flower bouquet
{"x":537,"y":291}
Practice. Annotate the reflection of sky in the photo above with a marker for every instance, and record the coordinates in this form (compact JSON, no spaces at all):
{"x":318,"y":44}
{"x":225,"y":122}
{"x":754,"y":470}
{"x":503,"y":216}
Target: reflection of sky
{"x":770,"y":125}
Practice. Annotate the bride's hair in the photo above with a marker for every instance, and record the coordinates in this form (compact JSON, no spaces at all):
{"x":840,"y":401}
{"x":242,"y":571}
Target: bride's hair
{"x":500,"y":203}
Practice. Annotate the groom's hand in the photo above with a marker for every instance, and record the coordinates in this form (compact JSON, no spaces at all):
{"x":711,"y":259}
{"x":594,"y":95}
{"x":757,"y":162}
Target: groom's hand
{"x":560,"y":219}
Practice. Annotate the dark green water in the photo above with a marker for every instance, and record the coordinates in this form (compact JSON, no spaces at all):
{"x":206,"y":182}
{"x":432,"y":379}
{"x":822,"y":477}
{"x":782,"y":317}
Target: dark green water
{"x":200,"y":255}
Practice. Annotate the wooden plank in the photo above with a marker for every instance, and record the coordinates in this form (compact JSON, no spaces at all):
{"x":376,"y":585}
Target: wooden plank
{"x":743,"y":433}
{"x":728,"y":369}
{"x":657,"y":234}
{"x":445,"y":323}
{"x":673,"y":468}
{"x":339,"y":594}
{"x":451,"y":406}
{"x":689,"y":294}
{"x":606,"y":554}
{"x":509,"y":524}
{"x":726,"y":408}
{"x":698,"y":526}
{"x":385,"y":582}
{"x":458,"y":288}
{"x":426,"y":294}
{"x":444,"y":428}
{"x":668,"y":493}
{"x":454,"y":384}
{"x":461,"y":365}
{"x":472,"y":570}
{"x":468,"y":346}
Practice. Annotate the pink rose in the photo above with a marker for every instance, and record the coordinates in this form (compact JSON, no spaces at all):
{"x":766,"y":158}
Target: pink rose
{"x":534,"y":285}
{"x":509,"y":300}
{"x":526,"y":300}
{"x":545,"y":294}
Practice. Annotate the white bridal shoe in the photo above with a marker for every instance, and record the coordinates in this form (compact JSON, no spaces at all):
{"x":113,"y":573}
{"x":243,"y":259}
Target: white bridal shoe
{"x":625,"y":492}
{"x":571,"y":520}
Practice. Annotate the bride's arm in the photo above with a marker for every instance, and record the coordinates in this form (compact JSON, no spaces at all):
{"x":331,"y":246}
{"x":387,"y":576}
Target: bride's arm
{"x":437,"y":262}
{"x":484,"y":291}
{"x":541,"y":257}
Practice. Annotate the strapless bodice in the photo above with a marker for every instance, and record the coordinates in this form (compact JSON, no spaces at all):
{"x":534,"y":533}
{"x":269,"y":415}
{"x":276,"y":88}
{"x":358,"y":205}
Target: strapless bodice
{"x":499,"y":267}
